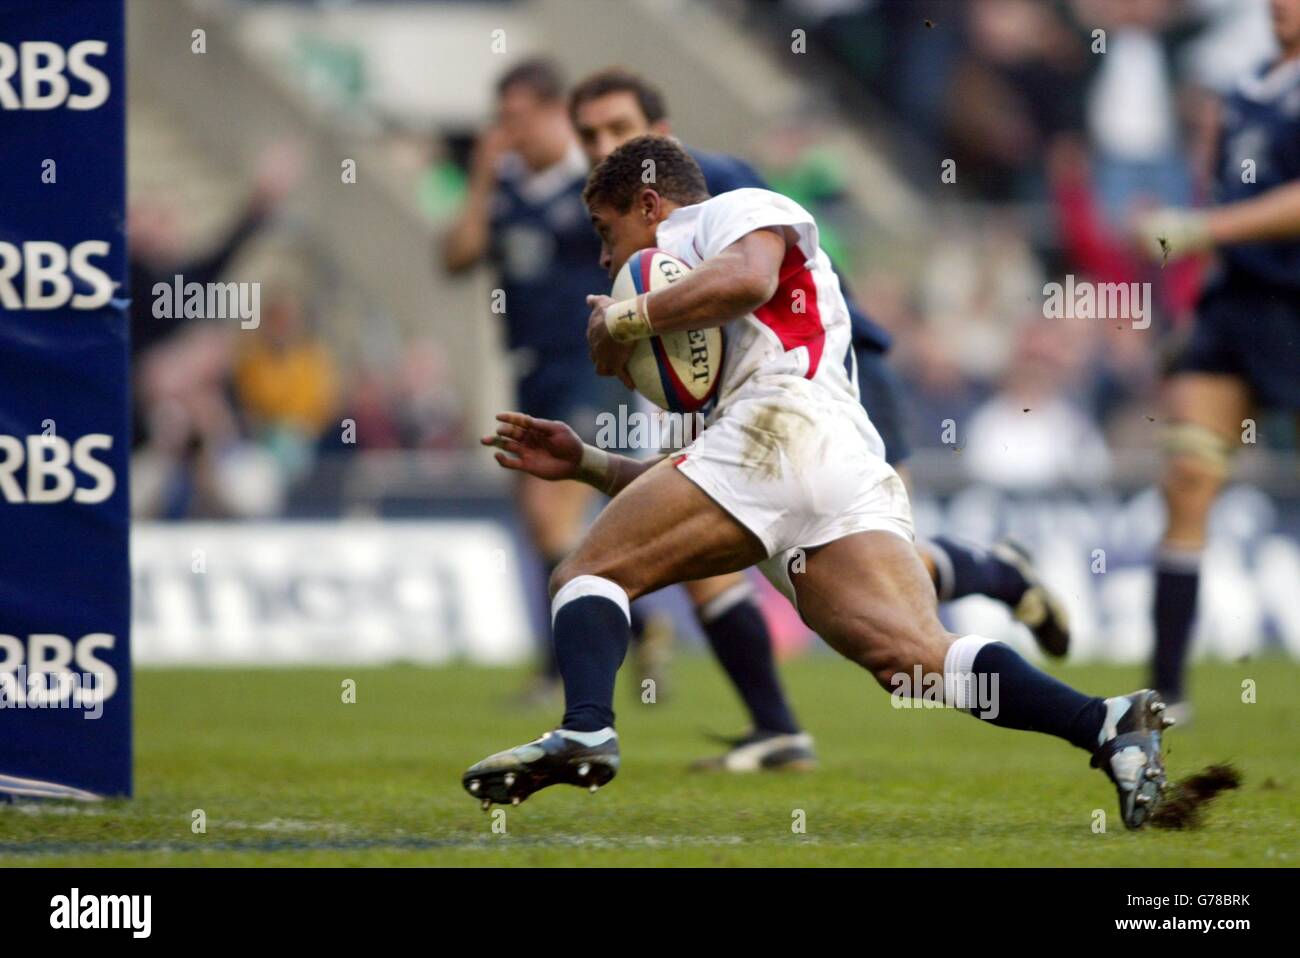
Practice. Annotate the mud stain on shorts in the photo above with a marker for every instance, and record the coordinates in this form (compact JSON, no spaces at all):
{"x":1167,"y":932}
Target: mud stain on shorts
{"x":771,"y":432}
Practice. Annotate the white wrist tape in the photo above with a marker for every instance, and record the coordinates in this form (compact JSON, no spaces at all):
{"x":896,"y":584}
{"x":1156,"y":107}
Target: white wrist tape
{"x":628,"y":321}
{"x":596,"y":469}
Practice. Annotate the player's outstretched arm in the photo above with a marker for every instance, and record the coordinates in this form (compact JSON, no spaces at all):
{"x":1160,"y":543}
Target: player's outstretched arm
{"x":1273,"y":215}
{"x":1170,"y":233}
{"x":551,"y":450}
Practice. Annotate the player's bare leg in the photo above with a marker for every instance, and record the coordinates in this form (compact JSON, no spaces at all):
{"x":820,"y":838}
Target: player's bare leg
{"x":739,"y":640}
{"x":553,"y":513}
{"x":1005,"y":572}
{"x":660,"y":530}
{"x":1206,"y":412}
{"x":728,"y":613}
{"x":886,"y":622}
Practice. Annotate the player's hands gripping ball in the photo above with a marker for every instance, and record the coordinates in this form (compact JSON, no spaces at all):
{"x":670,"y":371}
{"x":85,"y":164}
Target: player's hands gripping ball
{"x":609,"y":356}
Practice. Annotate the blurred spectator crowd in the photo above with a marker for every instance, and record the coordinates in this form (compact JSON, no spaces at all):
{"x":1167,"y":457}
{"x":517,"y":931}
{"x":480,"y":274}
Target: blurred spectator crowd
{"x":230,"y":417}
{"x":1063,"y":119}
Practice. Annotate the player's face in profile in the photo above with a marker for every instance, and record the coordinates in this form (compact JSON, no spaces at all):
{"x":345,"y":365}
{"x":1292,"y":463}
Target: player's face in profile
{"x":606,"y":123}
{"x":622,"y":234}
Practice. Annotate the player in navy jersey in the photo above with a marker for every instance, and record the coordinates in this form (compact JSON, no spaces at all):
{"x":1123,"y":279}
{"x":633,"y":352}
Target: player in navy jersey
{"x":1244,"y":347}
{"x":524,"y":215}
{"x":614,"y":106}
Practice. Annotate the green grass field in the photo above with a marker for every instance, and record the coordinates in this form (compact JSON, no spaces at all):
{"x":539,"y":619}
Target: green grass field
{"x":286,"y":774}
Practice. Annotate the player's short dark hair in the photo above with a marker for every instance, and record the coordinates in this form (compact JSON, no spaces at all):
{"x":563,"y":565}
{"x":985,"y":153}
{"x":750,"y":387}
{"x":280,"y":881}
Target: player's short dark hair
{"x":671,"y":172}
{"x":619,"y":80}
{"x":539,"y":75}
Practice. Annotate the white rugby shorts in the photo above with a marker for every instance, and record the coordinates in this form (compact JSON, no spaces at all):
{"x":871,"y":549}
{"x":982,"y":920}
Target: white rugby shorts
{"x":798,"y":468}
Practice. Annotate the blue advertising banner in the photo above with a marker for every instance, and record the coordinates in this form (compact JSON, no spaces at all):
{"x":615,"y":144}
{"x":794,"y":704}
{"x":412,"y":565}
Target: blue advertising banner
{"x":65,"y":661}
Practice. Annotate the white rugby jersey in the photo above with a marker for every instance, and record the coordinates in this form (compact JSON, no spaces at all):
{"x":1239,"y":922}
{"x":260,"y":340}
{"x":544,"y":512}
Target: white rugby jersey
{"x":804,"y":329}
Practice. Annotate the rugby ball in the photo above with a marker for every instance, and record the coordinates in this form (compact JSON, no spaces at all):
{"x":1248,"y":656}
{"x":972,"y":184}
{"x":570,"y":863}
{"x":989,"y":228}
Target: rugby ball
{"x":676,"y":371}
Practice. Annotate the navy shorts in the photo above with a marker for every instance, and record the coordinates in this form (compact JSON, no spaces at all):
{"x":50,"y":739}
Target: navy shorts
{"x":571,"y":392}
{"x":881,"y":393}
{"x":1248,"y":330}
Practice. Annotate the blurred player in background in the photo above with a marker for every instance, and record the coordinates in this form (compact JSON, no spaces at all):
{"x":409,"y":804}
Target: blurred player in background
{"x":524,"y":215}
{"x":1244,"y":347}
{"x":615,"y":105}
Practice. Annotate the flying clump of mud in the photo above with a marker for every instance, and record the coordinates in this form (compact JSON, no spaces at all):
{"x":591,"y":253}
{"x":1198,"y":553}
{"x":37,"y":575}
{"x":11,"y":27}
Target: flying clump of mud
{"x":1184,"y":806}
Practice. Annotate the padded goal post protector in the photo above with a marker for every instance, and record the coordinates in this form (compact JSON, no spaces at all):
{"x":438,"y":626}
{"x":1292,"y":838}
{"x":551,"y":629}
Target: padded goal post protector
{"x":65,"y":585}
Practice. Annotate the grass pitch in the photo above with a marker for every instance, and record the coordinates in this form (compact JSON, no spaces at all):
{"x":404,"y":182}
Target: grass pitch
{"x":285,"y":773}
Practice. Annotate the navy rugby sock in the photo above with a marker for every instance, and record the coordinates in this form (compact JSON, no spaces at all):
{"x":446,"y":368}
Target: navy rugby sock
{"x":546,"y":665}
{"x":638,"y":622}
{"x":591,"y":627}
{"x":1178,"y":580}
{"x":992,"y":682}
{"x":738,"y":635}
{"x":969,"y":570}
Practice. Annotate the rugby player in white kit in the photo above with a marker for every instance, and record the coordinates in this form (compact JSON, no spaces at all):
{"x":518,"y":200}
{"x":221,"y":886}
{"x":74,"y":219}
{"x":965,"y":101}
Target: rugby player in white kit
{"x":789,"y":475}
